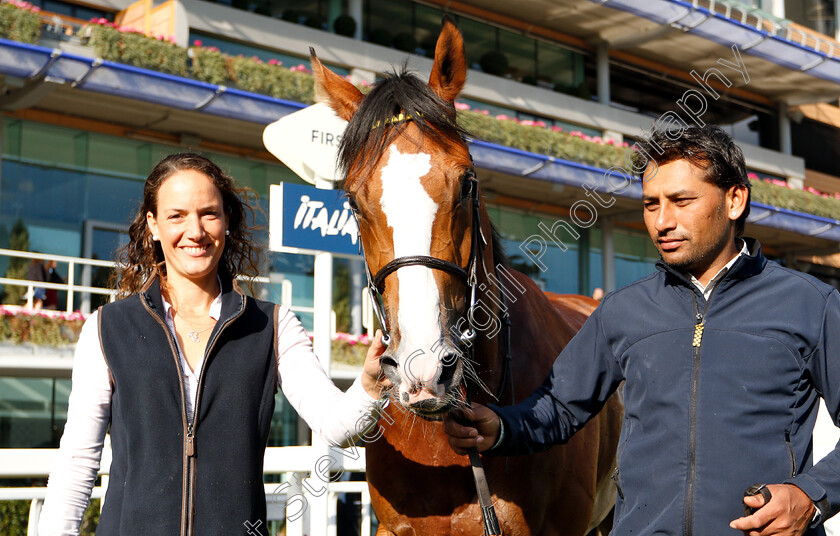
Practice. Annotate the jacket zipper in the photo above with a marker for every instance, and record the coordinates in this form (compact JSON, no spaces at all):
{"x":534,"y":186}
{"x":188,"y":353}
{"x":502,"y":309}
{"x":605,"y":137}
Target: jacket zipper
{"x":188,"y":483}
{"x":790,"y":454}
{"x":699,"y":327}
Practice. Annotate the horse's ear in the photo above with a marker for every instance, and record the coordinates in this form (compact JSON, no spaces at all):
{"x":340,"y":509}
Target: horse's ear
{"x":449,"y":73}
{"x":341,"y":95}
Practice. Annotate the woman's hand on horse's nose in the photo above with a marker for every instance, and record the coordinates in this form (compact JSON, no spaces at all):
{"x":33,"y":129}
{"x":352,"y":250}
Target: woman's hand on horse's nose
{"x":373,"y":380}
{"x":472,"y":427}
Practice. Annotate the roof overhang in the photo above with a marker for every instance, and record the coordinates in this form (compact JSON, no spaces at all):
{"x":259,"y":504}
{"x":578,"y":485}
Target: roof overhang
{"x":682,"y":35}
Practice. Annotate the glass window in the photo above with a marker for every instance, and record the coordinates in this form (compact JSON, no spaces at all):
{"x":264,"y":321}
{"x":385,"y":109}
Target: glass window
{"x":108,"y":153}
{"x":561,"y":267}
{"x":635,"y":257}
{"x":521,"y":55}
{"x":558,"y":66}
{"x":32,"y":411}
{"x":40,"y":194}
{"x":427,"y":27}
{"x":112,"y":199}
{"x":47,"y":143}
{"x":479,"y":38}
{"x":386,"y":19}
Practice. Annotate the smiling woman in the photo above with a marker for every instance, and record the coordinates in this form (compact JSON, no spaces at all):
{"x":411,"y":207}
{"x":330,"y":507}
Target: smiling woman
{"x":184,"y":369}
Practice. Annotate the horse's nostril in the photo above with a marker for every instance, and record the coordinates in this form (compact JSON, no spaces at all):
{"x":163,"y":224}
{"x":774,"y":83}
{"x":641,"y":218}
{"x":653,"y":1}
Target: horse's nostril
{"x":389,"y":368}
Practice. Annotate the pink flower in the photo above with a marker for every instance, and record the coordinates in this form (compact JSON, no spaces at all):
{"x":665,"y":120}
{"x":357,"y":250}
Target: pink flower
{"x":540,"y":124}
{"x":503,"y":117}
{"x":462,"y":106}
{"x":197,"y":43}
{"x":274,"y":61}
{"x":485,"y":112}
{"x":752,"y":176}
{"x":556,"y":128}
{"x":528,"y":122}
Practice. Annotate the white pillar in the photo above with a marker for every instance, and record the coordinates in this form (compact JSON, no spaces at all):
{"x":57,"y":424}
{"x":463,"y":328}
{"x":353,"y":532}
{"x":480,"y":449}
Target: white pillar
{"x":322,"y":344}
{"x":774,"y":7}
{"x":785,"y":144}
{"x":607,"y":254}
{"x":357,"y":284}
{"x":603,"y":70}
{"x":837,"y":36}
{"x":354,"y":9}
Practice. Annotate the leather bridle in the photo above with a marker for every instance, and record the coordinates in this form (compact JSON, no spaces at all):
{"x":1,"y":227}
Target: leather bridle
{"x":376,"y":283}
{"x":376,"y":286}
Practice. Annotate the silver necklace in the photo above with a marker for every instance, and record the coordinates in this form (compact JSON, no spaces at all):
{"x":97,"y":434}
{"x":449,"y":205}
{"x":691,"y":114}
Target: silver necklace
{"x":192,"y":333}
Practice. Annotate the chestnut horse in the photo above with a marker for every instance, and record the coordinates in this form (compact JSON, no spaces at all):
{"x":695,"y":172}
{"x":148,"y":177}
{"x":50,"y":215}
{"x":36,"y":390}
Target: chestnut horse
{"x":410,"y":179}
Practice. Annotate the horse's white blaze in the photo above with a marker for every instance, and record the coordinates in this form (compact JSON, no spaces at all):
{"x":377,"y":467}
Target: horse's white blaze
{"x":410,"y":212}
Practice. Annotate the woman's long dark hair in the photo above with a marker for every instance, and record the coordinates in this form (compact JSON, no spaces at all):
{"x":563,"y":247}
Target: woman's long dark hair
{"x":142,"y":258}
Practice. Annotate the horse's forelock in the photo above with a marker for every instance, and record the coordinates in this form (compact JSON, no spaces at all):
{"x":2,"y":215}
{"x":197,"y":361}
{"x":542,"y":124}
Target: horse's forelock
{"x":400,"y":92}
{"x":363,"y":142}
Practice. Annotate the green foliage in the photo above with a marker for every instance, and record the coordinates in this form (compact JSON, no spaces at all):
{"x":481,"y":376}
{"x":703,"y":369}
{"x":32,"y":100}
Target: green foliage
{"x":798,"y":200}
{"x":541,"y":140}
{"x":149,"y":53}
{"x":14,"y":518}
{"x":18,"y":267}
{"x":136,"y":49}
{"x":349,"y":354}
{"x":209,"y":65}
{"x":20,"y":21}
{"x":253,"y":75}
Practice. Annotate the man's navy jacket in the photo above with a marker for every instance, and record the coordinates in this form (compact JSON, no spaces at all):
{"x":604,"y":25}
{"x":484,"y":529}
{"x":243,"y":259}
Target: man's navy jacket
{"x":710,"y":410}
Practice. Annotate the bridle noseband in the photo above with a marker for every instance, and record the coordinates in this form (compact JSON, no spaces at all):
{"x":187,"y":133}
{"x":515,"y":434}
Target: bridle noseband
{"x":376,"y":283}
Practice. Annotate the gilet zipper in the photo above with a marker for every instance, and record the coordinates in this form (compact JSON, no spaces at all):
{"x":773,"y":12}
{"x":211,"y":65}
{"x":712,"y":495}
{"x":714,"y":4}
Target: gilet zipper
{"x":189,"y":460}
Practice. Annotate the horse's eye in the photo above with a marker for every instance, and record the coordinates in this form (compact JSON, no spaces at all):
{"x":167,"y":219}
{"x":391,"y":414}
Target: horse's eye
{"x":352,"y":202}
{"x":467,"y":185}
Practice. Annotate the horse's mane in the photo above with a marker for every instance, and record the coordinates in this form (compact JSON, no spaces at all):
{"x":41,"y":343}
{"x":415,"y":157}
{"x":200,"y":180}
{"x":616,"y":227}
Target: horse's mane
{"x":371,"y":131}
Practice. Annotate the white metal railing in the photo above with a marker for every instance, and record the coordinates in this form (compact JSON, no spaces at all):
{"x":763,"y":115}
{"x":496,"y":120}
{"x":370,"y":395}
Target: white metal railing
{"x":72,"y":288}
{"x":315,"y":500}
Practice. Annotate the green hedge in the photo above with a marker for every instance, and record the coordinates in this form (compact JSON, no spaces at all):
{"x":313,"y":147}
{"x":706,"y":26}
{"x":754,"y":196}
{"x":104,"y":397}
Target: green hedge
{"x":14,"y":518}
{"x":20,"y":21}
{"x":136,"y":49}
{"x":39,"y":328}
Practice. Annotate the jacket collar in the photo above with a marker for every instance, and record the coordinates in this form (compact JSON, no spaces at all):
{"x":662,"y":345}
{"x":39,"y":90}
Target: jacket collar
{"x":233,"y":299}
{"x":746,"y":266}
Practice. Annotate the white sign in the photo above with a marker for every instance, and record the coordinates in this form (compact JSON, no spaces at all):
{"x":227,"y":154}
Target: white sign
{"x":307,"y":141}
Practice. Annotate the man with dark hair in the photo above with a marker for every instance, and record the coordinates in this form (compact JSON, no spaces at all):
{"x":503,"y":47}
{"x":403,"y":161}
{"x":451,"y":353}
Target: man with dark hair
{"x":724,"y":357}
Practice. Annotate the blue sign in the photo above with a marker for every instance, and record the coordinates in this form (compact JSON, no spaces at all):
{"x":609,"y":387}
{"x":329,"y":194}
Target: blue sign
{"x":309,"y":218}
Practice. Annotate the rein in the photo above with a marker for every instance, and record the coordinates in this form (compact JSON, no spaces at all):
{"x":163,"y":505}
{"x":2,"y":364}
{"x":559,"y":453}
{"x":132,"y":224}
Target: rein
{"x":376,"y":286}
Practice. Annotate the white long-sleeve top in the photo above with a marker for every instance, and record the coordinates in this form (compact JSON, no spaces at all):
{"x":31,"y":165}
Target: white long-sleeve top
{"x":331,"y":413}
